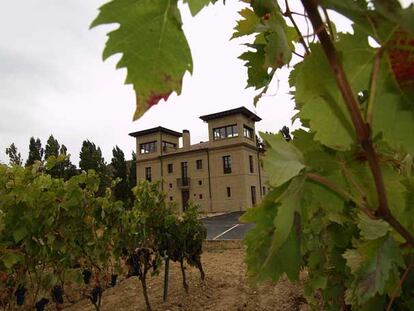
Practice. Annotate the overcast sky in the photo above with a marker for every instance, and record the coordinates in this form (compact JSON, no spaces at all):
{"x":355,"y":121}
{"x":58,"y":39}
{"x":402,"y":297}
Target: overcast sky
{"x":53,"y":79}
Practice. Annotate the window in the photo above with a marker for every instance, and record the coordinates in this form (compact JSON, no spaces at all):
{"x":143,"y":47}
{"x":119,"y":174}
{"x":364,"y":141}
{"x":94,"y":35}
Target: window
{"x":228,"y":192}
{"x":148,"y":173}
{"x":264,"y":190}
{"x":200,"y":182}
{"x":184,"y":170}
{"x":171,"y":198}
{"x":200,"y":196}
{"x":199,"y":164}
{"x":248,"y":132}
{"x":227,"y":164}
{"x":167,"y":144}
{"x":170,"y":185}
{"x":231,"y":131}
{"x":251,"y":164}
{"x":225,"y":131}
{"x":148,"y":147}
{"x":170,"y":168}
{"x":253,"y":193}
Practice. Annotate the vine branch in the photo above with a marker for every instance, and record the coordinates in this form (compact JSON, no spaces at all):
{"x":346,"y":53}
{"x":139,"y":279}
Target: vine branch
{"x":373,"y":86}
{"x":363,"y":131}
{"x":340,"y":191}
{"x":288,"y":13}
{"x":400,"y":283}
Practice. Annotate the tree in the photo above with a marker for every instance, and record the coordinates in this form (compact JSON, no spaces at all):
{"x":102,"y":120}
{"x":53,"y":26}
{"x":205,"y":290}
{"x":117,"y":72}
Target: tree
{"x":52,"y":147}
{"x":63,"y":167}
{"x":342,"y":191}
{"x":69,"y":169}
{"x":91,"y":159}
{"x":119,"y":170}
{"x":132,"y":173}
{"x":15,"y":158}
{"x":35,"y":151}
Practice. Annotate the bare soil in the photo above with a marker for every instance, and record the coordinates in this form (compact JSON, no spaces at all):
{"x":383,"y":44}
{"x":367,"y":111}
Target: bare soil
{"x":226,"y":287}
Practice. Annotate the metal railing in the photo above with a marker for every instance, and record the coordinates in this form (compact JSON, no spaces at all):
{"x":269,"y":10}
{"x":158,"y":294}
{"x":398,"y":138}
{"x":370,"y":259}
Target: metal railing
{"x":183,"y":182}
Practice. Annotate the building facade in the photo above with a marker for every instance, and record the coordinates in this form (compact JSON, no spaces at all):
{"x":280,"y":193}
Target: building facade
{"x":221,"y":175}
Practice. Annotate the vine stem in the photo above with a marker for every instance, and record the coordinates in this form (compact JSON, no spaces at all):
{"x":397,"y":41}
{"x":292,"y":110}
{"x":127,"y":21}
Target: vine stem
{"x":363,"y":131}
{"x":373,"y":86}
{"x":340,"y":191}
{"x":399,"y":285}
{"x":288,"y":14}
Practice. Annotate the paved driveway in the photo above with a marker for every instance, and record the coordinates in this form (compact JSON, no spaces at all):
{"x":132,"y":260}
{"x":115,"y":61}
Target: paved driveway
{"x":226,"y":227}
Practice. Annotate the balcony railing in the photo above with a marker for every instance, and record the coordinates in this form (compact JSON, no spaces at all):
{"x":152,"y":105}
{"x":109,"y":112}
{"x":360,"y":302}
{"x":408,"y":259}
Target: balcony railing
{"x":183,"y":182}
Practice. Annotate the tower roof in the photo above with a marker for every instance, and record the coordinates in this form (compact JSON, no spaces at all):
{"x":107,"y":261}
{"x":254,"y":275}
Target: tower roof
{"x":243,"y":110}
{"x":155,"y":130}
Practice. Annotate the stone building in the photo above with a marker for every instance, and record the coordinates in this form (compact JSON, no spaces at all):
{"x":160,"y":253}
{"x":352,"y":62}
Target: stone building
{"x":221,"y":175}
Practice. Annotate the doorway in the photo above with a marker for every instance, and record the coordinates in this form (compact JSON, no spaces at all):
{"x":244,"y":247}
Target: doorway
{"x":185,"y":196}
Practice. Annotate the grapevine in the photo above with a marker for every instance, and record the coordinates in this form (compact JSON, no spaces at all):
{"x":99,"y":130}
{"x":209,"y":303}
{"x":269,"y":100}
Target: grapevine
{"x":341,"y":202}
{"x":55,"y":233}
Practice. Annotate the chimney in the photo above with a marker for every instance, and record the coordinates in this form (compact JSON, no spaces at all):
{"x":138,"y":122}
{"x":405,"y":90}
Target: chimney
{"x":186,"y":139}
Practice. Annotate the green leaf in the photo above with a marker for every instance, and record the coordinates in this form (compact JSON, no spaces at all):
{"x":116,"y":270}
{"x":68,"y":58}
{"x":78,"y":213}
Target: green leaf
{"x":289,"y":205}
{"x":317,"y":95}
{"x":322,"y":107}
{"x":282,"y":161}
{"x":247,"y":25}
{"x":263,"y":7}
{"x":10,"y":259}
{"x":20,"y":233}
{"x":353,"y":259}
{"x":197,"y":5}
{"x":153,"y":47}
{"x":394,"y":119}
{"x":329,"y":122}
{"x":258,"y":76}
{"x":372,"y":22}
{"x":317,"y":157}
{"x":379,"y":263}
{"x":372,"y":229}
{"x":277,"y":50}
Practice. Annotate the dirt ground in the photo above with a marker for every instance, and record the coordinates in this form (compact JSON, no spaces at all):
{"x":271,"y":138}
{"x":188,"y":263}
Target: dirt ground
{"x":225,"y":288}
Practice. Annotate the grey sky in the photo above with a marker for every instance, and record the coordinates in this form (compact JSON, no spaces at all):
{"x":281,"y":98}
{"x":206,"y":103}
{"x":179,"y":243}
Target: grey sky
{"x":53,"y":81}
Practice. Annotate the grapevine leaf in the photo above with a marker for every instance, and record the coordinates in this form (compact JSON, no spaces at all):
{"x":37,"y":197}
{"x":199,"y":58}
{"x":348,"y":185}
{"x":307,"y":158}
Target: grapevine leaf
{"x":153,"y":47}
{"x":10,"y":259}
{"x":247,"y":25}
{"x":282,"y":161}
{"x":379,"y":23}
{"x":197,"y":5}
{"x":329,"y":123}
{"x":259,"y":239}
{"x":317,"y":157}
{"x":289,"y":205}
{"x":258,"y":76}
{"x":20,"y":233}
{"x":393,"y":12}
{"x":263,"y":7}
{"x":273,"y":43}
{"x":379,"y":264}
{"x":277,"y":50}
{"x":324,"y":199}
{"x":372,"y":229}
{"x":322,"y":106}
{"x":353,"y":259}
{"x":318,"y":96}
{"x":394,"y":120}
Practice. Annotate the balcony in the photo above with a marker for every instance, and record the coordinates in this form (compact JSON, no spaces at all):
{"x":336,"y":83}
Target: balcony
{"x":183,"y":183}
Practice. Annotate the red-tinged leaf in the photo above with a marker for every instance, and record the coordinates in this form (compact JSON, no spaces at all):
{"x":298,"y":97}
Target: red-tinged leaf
{"x":154,"y":49}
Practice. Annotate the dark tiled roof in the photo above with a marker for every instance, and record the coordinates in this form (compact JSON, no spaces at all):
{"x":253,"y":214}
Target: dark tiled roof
{"x":155,"y":130}
{"x":243,"y":110}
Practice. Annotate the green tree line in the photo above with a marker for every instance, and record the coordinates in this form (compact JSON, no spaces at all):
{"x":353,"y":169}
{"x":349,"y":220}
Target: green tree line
{"x":90,"y":159}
